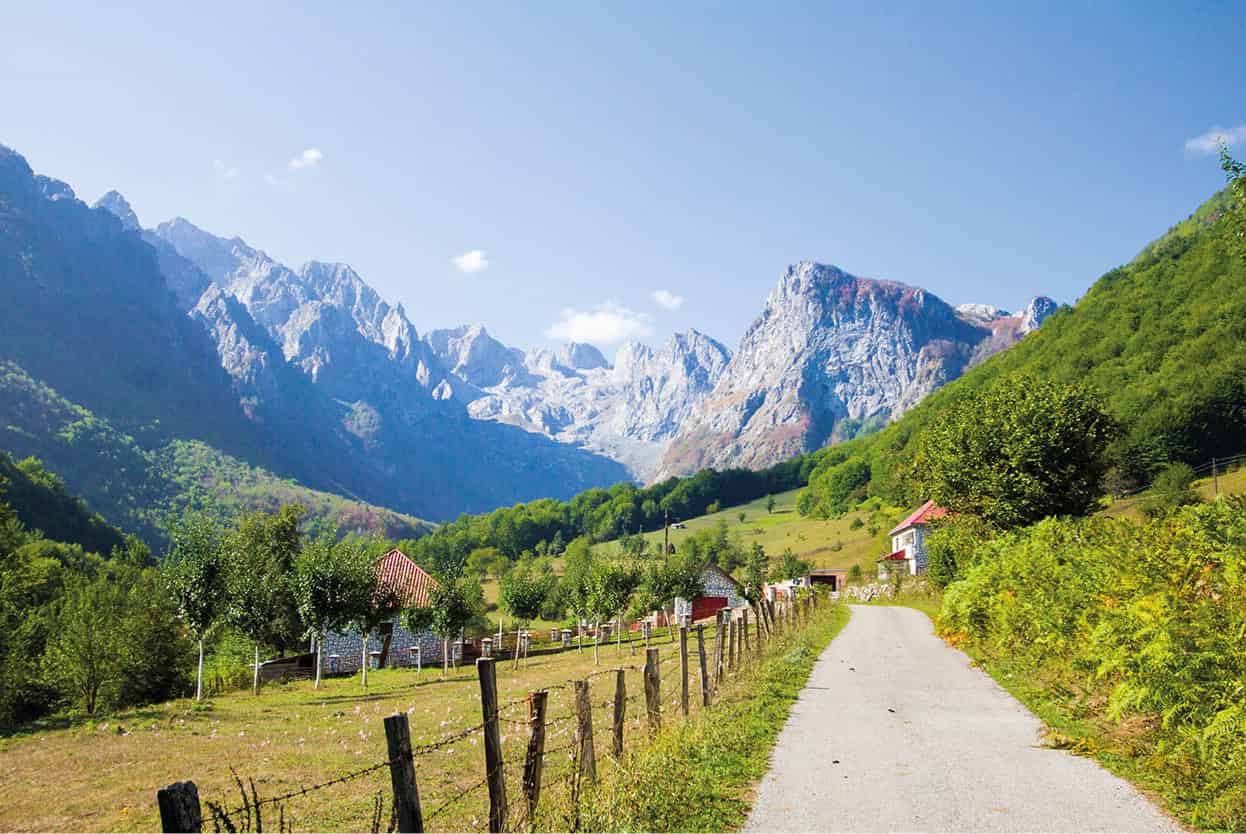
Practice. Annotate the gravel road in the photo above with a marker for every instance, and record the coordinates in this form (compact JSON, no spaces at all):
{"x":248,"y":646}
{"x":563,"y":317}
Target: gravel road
{"x":897,"y":732}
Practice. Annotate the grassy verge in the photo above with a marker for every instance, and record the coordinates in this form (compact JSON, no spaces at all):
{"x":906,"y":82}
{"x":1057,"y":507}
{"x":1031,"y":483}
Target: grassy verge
{"x":697,"y":775}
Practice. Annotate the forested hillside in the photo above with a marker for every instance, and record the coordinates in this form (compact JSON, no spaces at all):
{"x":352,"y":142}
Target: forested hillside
{"x":41,"y":502}
{"x":1158,"y":341}
{"x":135,"y":488}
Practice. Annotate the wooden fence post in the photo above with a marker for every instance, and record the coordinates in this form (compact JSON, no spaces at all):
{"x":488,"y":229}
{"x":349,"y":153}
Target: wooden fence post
{"x":705,"y":684}
{"x":584,"y":729}
{"x":683,"y":669}
{"x":179,"y":808}
{"x":744,"y":649}
{"x":720,"y":645}
{"x":731,"y":643}
{"x":495,"y":776}
{"x":533,"y":763}
{"x":620,"y":707}
{"x":402,"y":774}
{"x":653,"y":689}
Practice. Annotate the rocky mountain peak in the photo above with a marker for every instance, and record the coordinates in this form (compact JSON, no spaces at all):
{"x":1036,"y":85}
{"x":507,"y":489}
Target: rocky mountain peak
{"x":118,"y":206}
{"x":1036,"y":312}
{"x":580,"y":356}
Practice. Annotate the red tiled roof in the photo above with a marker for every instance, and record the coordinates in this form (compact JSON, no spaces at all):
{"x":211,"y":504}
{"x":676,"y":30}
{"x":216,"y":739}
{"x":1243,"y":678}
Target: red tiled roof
{"x":924,"y":514}
{"x":898,"y":556}
{"x":410,"y":583}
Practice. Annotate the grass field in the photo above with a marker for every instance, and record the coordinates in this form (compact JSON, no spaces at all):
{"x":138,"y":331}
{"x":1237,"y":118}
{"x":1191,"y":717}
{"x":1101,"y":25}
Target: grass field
{"x":1230,"y":483}
{"x":823,"y":543}
{"x":105,"y":773}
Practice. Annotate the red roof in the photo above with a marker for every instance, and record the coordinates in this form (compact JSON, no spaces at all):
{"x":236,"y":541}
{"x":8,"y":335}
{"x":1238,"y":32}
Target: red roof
{"x":410,"y":583}
{"x":924,"y":514}
{"x":898,"y":556}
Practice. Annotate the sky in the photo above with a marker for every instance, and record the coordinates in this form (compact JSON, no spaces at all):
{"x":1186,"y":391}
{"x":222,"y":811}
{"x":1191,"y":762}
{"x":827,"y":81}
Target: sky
{"x":600,"y":172}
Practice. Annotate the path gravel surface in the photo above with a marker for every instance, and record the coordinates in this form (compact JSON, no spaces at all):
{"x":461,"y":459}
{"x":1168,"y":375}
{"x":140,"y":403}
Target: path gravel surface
{"x":896,"y":731}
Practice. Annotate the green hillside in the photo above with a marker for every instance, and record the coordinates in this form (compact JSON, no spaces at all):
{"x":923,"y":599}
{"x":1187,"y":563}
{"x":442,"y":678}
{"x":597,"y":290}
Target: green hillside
{"x":1159,"y":341}
{"x":135,"y":487}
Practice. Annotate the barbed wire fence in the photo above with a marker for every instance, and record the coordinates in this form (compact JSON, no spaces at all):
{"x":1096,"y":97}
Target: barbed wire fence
{"x":562,"y":753}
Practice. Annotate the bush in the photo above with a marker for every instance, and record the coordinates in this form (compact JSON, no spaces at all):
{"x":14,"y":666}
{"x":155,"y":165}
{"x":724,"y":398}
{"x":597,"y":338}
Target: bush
{"x":1146,"y":618}
{"x":856,"y":524}
{"x":1172,"y":489}
{"x":951,"y":547}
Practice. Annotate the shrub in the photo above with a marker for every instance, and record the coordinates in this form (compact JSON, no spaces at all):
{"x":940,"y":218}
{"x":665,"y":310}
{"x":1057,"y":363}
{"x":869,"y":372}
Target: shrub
{"x":1145,"y":617}
{"x":1172,"y":489}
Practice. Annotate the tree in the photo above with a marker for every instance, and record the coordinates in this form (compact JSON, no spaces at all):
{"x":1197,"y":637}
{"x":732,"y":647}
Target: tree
{"x":260,"y":557}
{"x":333,"y":585}
{"x":743,"y":516}
{"x":611,"y":586}
{"x":451,"y":606}
{"x":524,"y":592}
{"x":85,"y":652}
{"x":378,"y":607}
{"x":195,"y":570}
{"x":789,"y":566}
{"x":755,"y":571}
{"x":1019,"y":451}
{"x":713,"y":507}
{"x":770,"y":504}
{"x":577,"y":577}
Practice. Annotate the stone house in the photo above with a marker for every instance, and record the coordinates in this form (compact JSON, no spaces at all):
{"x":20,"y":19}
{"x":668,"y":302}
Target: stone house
{"x":719,"y":589}
{"x":908,"y":542}
{"x":391,"y":645}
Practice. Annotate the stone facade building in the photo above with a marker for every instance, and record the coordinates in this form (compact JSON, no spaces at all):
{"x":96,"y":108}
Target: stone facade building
{"x":719,"y":589}
{"x":392,"y":643}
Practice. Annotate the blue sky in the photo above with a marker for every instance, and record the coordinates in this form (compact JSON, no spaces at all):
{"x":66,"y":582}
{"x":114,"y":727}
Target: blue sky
{"x":578,"y":158}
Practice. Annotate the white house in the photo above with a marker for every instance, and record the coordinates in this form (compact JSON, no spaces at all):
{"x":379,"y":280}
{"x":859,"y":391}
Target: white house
{"x":908,"y":542}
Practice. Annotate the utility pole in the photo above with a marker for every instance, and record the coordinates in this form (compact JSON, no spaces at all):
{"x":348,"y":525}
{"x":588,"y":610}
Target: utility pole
{"x":666,"y":533}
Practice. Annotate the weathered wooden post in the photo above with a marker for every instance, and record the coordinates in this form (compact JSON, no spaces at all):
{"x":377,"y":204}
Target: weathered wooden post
{"x":720,"y":645}
{"x":620,"y":707}
{"x":705,"y":683}
{"x":533,"y":762}
{"x":402,"y":774}
{"x":683,"y":669}
{"x":744,"y":649}
{"x":731,"y":643}
{"x":584,"y":731}
{"x":179,"y":808}
{"x":495,"y":775}
{"x":653,"y":688}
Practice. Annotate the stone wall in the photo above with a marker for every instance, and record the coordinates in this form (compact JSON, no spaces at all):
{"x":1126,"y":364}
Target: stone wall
{"x":348,"y":647}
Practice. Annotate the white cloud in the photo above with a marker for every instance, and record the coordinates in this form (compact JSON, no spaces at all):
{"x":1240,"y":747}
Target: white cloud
{"x":473,"y":261}
{"x":605,"y":324}
{"x":309,"y":158}
{"x":668,"y":300}
{"x":1209,"y":142}
{"x":224,"y":171}
{"x":273,"y":181}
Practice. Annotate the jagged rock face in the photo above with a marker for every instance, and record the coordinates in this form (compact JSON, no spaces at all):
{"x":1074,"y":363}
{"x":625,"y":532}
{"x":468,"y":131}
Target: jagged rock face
{"x":833,"y":354}
{"x":627,"y":412}
{"x":327,"y":320}
{"x":478,"y":359}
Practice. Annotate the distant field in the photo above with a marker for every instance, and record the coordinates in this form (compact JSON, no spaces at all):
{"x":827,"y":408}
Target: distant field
{"x":825,"y":544}
{"x":1231,"y":483}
